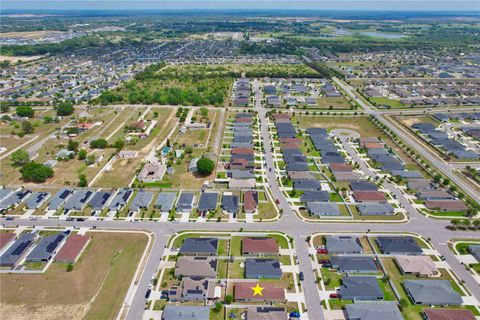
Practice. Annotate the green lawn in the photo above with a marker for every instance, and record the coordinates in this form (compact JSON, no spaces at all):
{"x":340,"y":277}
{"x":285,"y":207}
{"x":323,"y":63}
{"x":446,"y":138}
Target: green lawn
{"x":379,"y":101}
{"x":462,"y":247}
{"x":331,"y":278}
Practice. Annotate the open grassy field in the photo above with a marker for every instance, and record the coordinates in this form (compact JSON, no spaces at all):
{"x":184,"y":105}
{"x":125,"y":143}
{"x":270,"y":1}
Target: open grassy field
{"x":383,"y":101}
{"x":333,"y":103}
{"x":95,"y":289}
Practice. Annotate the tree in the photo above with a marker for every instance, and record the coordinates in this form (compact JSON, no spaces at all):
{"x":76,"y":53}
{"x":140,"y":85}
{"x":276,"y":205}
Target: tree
{"x":218,"y":307}
{"x":72,"y":145}
{"x":64,"y":108}
{"x":228,"y":299}
{"x":98,"y":144}
{"x":70,"y":267}
{"x":205,"y":166}
{"x":476,"y":223}
{"x":35,"y":172}
{"x":119,"y":144}
{"x":47,"y":119}
{"x":27,"y":127}
{"x":25,"y":111}
{"x":90,"y":159}
{"x":20,"y":157}
{"x":82,"y":180}
{"x":82,"y":154}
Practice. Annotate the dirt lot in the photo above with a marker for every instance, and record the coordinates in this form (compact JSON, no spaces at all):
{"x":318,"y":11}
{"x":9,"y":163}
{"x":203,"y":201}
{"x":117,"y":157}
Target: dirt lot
{"x":94,"y":289}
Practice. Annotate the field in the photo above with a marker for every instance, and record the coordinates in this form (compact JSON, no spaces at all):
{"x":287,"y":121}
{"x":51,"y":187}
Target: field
{"x":95,"y":289}
{"x":383,"y":101}
{"x":333,"y":103}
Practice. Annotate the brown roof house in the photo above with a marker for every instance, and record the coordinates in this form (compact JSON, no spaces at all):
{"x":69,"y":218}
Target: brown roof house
{"x":250,"y":201}
{"x":260,"y":246}
{"x":446,"y":205}
{"x":448,"y":314}
{"x":421,"y":266}
{"x":152,"y":172}
{"x":265,"y":292}
{"x":72,"y":249}
{"x":196,"y":267}
{"x":369,"y":196}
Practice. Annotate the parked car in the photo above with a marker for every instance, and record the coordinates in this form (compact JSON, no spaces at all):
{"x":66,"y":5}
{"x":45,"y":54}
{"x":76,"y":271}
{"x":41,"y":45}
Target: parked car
{"x":322,"y":251}
{"x":9,"y":218}
{"x":335,"y":295}
{"x":294,"y":314}
{"x":301,"y":276}
{"x":147,"y":294}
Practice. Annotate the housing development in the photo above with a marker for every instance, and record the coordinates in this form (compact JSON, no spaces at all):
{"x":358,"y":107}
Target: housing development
{"x":234,"y":165}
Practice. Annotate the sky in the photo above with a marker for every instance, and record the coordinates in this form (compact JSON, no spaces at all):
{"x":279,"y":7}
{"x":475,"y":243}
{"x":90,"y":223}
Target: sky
{"x":348,"y":5}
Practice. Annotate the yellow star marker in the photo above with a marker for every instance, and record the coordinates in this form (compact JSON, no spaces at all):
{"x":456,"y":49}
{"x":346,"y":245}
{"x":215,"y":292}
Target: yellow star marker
{"x":257,"y":290}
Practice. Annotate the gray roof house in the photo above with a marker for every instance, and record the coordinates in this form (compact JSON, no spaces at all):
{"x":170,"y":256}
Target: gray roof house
{"x":173,"y":312}
{"x":399,"y":245}
{"x":10,"y":257}
{"x":199,"y":246}
{"x":165,"y":201}
{"x":46,"y":248}
{"x":230,"y":203}
{"x":58,"y":200}
{"x":373,"y":311}
{"x":475,"y":251}
{"x":120,"y":199}
{"x":208,"y":201}
{"x":343,"y":245}
{"x":36,"y":200}
{"x":99,"y":200}
{"x":360,"y":288}
{"x":432,"y":292}
{"x":323,"y":209}
{"x":77,"y":200}
{"x":141,"y":201}
{"x":354,"y":264}
{"x":185,"y":202}
{"x":266,"y":313}
{"x":315,"y":196}
{"x":4,"y":192}
{"x":14,"y":199}
{"x":363,"y":186}
{"x":375,"y":209}
{"x":257,"y":268}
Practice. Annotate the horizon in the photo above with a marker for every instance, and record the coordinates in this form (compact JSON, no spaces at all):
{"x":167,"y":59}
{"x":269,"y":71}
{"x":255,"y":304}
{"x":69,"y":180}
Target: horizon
{"x":234,"y":6}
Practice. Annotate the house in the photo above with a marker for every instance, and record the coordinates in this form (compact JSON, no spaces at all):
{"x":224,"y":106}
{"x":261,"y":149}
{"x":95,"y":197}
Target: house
{"x":250,"y":201}
{"x":175,"y":312}
{"x":315,"y":196}
{"x":399,"y":245}
{"x":375,"y":209}
{"x":241,"y":174}
{"x":208,"y":202}
{"x":323,"y":209}
{"x":260,"y":246}
{"x":196,"y":267}
{"x":120,"y":199}
{"x":363,"y":186}
{"x":165,"y":201}
{"x":373,"y":311}
{"x":306,"y":185}
{"x":5,"y":238}
{"x":343,"y":245}
{"x":10,"y":257}
{"x":78,"y":200}
{"x":199,"y":247}
{"x":46,"y":248}
{"x":230,"y":203}
{"x":346,"y":176}
{"x":36,"y":200}
{"x":340,"y":167}
{"x":270,"y":292}
{"x":152,"y":172}
{"x":446,"y":205}
{"x":72,"y":249}
{"x":420,"y":184}
{"x":354,"y":264}
{"x":360,"y":288}
{"x":141,"y":201}
{"x":185,"y":202}
{"x":421,"y":266}
{"x":99,"y":200}
{"x":438,"y":194}
{"x":369,"y":196}
{"x":58,"y":200}
{"x":432,"y":292}
{"x":14,"y":199}
{"x":64,"y":154}
{"x":257,"y":268}
{"x":266,"y":313}
{"x":189,"y":290}
{"x":128,"y":154}
{"x":448,"y":314}
{"x":192,"y":166}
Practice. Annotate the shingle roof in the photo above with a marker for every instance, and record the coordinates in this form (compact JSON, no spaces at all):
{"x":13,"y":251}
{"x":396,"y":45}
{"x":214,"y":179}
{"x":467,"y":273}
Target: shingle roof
{"x":36,"y":199}
{"x":45,"y":249}
{"x":173,"y":312}
{"x":448,"y":314}
{"x":230,"y":203}
{"x":72,"y":248}
{"x":13,"y":253}
{"x":57,"y":201}
{"x":120,"y":199}
{"x":360,"y":288}
{"x":432,"y":292}
{"x":253,"y":245}
{"x":165,"y":201}
{"x":208,"y":201}
{"x":323,"y":208}
{"x":262,"y":268}
{"x":99,"y":200}
{"x":399,"y":245}
{"x":373,"y":311}
{"x":343,"y":244}
{"x":77,"y":200}
{"x":142,"y":200}
{"x":353,"y":264}
{"x":199,"y":246}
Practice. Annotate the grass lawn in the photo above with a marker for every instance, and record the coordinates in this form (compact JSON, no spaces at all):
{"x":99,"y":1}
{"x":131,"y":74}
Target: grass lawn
{"x":383,"y":101}
{"x":266,"y":210}
{"x":331,"y":278}
{"x":236,"y":246}
{"x":105,"y":269}
{"x":462,"y":247}
{"x":333,"y":102}
{"x":235,"y":271}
